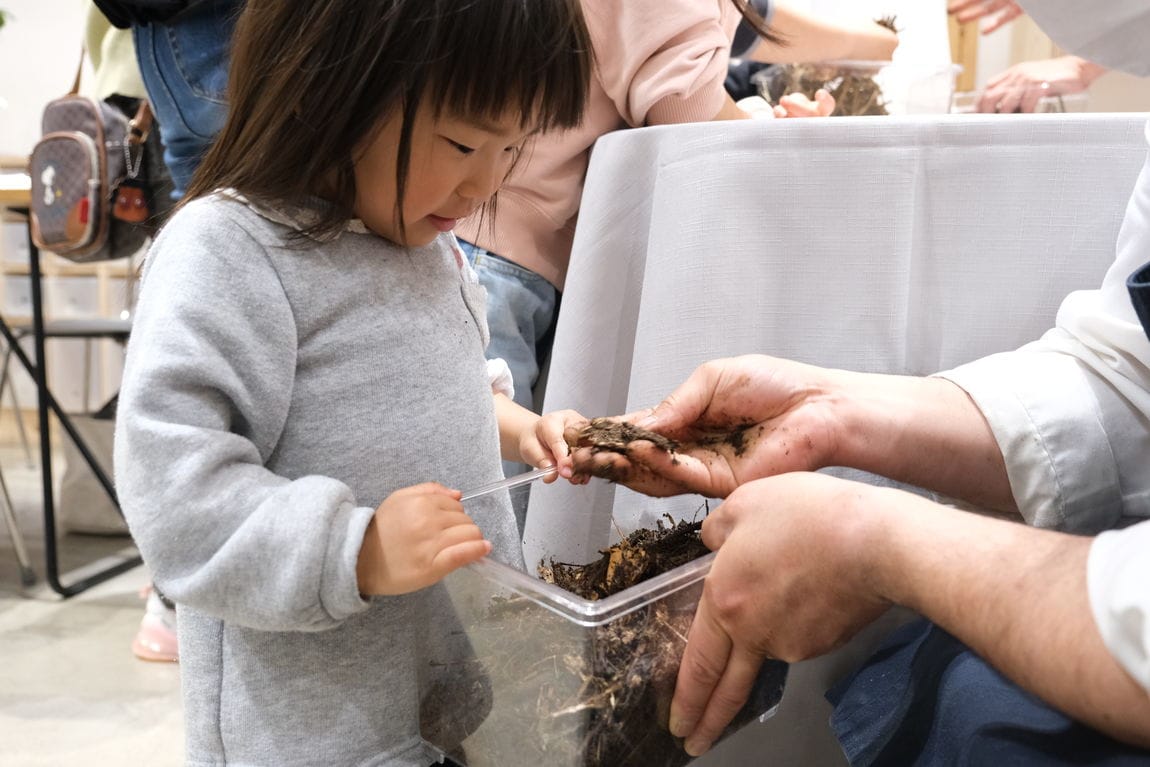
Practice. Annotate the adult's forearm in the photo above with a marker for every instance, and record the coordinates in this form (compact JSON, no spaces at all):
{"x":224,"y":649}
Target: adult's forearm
{"x":923,"y":431}
{"x":1018,"y":597}
{"x":807,"y":37}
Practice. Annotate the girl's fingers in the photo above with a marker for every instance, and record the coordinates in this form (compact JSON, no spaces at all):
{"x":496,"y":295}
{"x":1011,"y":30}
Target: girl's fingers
{"x":454,"y":557}
{"x":456,"y":534}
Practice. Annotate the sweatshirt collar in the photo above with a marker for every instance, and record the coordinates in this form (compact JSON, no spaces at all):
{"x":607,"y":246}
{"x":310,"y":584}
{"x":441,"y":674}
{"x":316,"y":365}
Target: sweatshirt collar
{"x":298,"y":217}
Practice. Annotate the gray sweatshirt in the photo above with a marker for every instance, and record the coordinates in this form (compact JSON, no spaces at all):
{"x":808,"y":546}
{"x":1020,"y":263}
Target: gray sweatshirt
{"x":274,"y":395}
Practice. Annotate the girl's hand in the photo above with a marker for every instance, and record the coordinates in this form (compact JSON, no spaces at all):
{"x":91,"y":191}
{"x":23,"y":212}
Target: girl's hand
{"x":418,"y":535}
{"x":544,"y":445}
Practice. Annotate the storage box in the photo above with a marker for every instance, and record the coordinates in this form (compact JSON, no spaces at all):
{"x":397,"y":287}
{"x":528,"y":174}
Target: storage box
{"x":567,"y":682}
{"x":966,"y":102}
{"x":864,"y":87}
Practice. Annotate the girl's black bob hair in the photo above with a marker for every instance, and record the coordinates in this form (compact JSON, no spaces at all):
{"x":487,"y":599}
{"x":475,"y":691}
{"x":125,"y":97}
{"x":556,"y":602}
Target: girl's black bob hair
{"x":310,"y":82}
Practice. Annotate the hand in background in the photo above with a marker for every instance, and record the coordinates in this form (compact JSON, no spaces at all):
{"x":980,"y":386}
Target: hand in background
{"x":999,"y":12}
{"x":790,"y":581}
{"x":418,"y":535}
{"x":792,"y":105}
{"x":798,"y":105}
{"x":1022,"y":86}
{"x":735,"y":420}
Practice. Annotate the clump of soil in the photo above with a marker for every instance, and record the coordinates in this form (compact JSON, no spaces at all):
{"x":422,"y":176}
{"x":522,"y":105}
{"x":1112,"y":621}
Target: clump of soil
{"x":887,"y":22}
{"x":641,"y":555}
{"x":604,"y":435}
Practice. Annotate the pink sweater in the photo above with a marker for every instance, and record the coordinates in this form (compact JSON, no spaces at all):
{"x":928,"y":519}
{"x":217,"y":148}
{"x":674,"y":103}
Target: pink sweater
{"x":657,"y":62}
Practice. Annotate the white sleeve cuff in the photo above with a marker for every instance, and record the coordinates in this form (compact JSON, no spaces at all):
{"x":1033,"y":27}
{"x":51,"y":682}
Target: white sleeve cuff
{"x":1044,"y":415}
{"x":499,"y":374}
{"x":1117,"y":574}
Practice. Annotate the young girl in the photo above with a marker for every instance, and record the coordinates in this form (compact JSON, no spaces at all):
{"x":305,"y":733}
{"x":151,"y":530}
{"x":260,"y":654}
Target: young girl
{"x":306,"y":377}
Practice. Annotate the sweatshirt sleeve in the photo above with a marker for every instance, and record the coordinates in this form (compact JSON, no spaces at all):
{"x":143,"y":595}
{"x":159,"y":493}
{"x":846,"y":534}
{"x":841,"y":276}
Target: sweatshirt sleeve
{"x":1118,"y":572}
{"x":1070,"y":411}
{"x":205,"y":395}
{"x":663,"y":62}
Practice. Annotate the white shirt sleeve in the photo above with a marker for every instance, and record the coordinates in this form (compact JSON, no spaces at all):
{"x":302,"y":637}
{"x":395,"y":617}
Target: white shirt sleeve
{"x":499,"y":374}
{"x":1118,"y":579}
{"x":1070,"y":411}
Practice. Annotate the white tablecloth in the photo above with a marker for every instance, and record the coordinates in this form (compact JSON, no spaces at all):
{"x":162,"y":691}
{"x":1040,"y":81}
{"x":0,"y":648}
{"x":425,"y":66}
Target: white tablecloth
{"x":904,"y":245}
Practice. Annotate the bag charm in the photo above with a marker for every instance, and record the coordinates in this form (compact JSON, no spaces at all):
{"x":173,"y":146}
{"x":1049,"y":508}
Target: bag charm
{"x":131,"y":202}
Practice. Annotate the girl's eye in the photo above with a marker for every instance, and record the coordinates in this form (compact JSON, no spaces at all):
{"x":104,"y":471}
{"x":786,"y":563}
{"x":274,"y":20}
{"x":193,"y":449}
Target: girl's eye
{"x":462,"y":148}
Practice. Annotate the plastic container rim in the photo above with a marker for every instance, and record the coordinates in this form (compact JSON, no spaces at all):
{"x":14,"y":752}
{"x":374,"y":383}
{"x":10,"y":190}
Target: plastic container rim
{"x":586,"y":612}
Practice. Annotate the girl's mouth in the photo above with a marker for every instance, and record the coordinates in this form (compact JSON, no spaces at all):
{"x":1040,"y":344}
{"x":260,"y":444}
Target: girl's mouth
{"x":441,"y":223}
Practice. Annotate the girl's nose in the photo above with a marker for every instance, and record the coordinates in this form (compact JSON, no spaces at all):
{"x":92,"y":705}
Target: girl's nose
{"x":484,"y":182}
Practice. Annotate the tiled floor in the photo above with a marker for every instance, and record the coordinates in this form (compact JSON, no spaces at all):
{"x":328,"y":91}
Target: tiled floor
{"x":71,"y":692}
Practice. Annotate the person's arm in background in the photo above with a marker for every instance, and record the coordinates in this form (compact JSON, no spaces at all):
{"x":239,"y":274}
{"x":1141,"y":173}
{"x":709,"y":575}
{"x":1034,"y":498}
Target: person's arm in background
{"x":807,"y":37}
{"x":999,"y":12}
{"x":664,"y":62}
{"x":1016,"y":595}
{"x":1022,"y":86}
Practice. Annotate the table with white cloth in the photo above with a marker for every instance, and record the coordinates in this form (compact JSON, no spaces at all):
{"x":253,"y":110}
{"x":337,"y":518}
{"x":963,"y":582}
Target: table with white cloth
{"x":899,"y":245}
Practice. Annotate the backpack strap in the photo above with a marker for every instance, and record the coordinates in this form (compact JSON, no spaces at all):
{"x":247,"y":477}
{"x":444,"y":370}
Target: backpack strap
{"x":79,"y":71}
{"x":140,"y":125}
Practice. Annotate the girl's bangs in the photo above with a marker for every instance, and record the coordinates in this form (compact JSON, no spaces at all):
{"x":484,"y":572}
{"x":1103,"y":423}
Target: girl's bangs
{"x":515,"y":55}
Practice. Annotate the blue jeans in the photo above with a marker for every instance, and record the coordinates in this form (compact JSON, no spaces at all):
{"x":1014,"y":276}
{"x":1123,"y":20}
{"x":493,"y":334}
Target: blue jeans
{"x":184,"y":63}
{"x":926,"y":699}
{"x":521,"y":310}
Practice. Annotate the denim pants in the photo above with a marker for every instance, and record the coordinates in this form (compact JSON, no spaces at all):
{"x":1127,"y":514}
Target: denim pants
{"x":184,"y":64}
{"x":926,"y":699}
{"x":521,"y":311}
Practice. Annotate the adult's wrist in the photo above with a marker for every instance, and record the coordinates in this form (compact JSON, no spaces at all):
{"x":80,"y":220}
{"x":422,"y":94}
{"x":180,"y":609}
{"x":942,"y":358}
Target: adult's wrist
{"x":923,"y":431}
{"x":874,"y":419}
{"x":1088,"y":71}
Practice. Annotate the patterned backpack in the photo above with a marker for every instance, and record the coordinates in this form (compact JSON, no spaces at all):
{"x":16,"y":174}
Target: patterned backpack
{"x":88,"y":199}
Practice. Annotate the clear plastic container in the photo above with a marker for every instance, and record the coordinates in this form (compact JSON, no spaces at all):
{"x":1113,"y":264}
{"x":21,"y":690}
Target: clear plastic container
{"x":966,"y":102}
{"x":561,"y":681}
{"x":864,"y":87}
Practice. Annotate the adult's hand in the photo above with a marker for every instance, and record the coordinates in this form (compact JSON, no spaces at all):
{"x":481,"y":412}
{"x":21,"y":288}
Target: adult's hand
{"x":1000,"y":12}
{"x":790,"y":581}
{"x":744,"y":418}
{"x":736,"y":420}
{"x":1022,"y":86}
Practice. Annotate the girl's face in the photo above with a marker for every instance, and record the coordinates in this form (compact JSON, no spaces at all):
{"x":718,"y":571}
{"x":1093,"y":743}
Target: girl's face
{"x":456,"y":165}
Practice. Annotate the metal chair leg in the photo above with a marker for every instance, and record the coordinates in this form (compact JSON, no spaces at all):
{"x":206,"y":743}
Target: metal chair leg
{"x":4,"y":381}
{"x":27,"y":574}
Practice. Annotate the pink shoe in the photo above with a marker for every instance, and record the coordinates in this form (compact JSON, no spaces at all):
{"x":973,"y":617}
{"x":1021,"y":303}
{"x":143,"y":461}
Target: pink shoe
{"x":156,"y":639}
